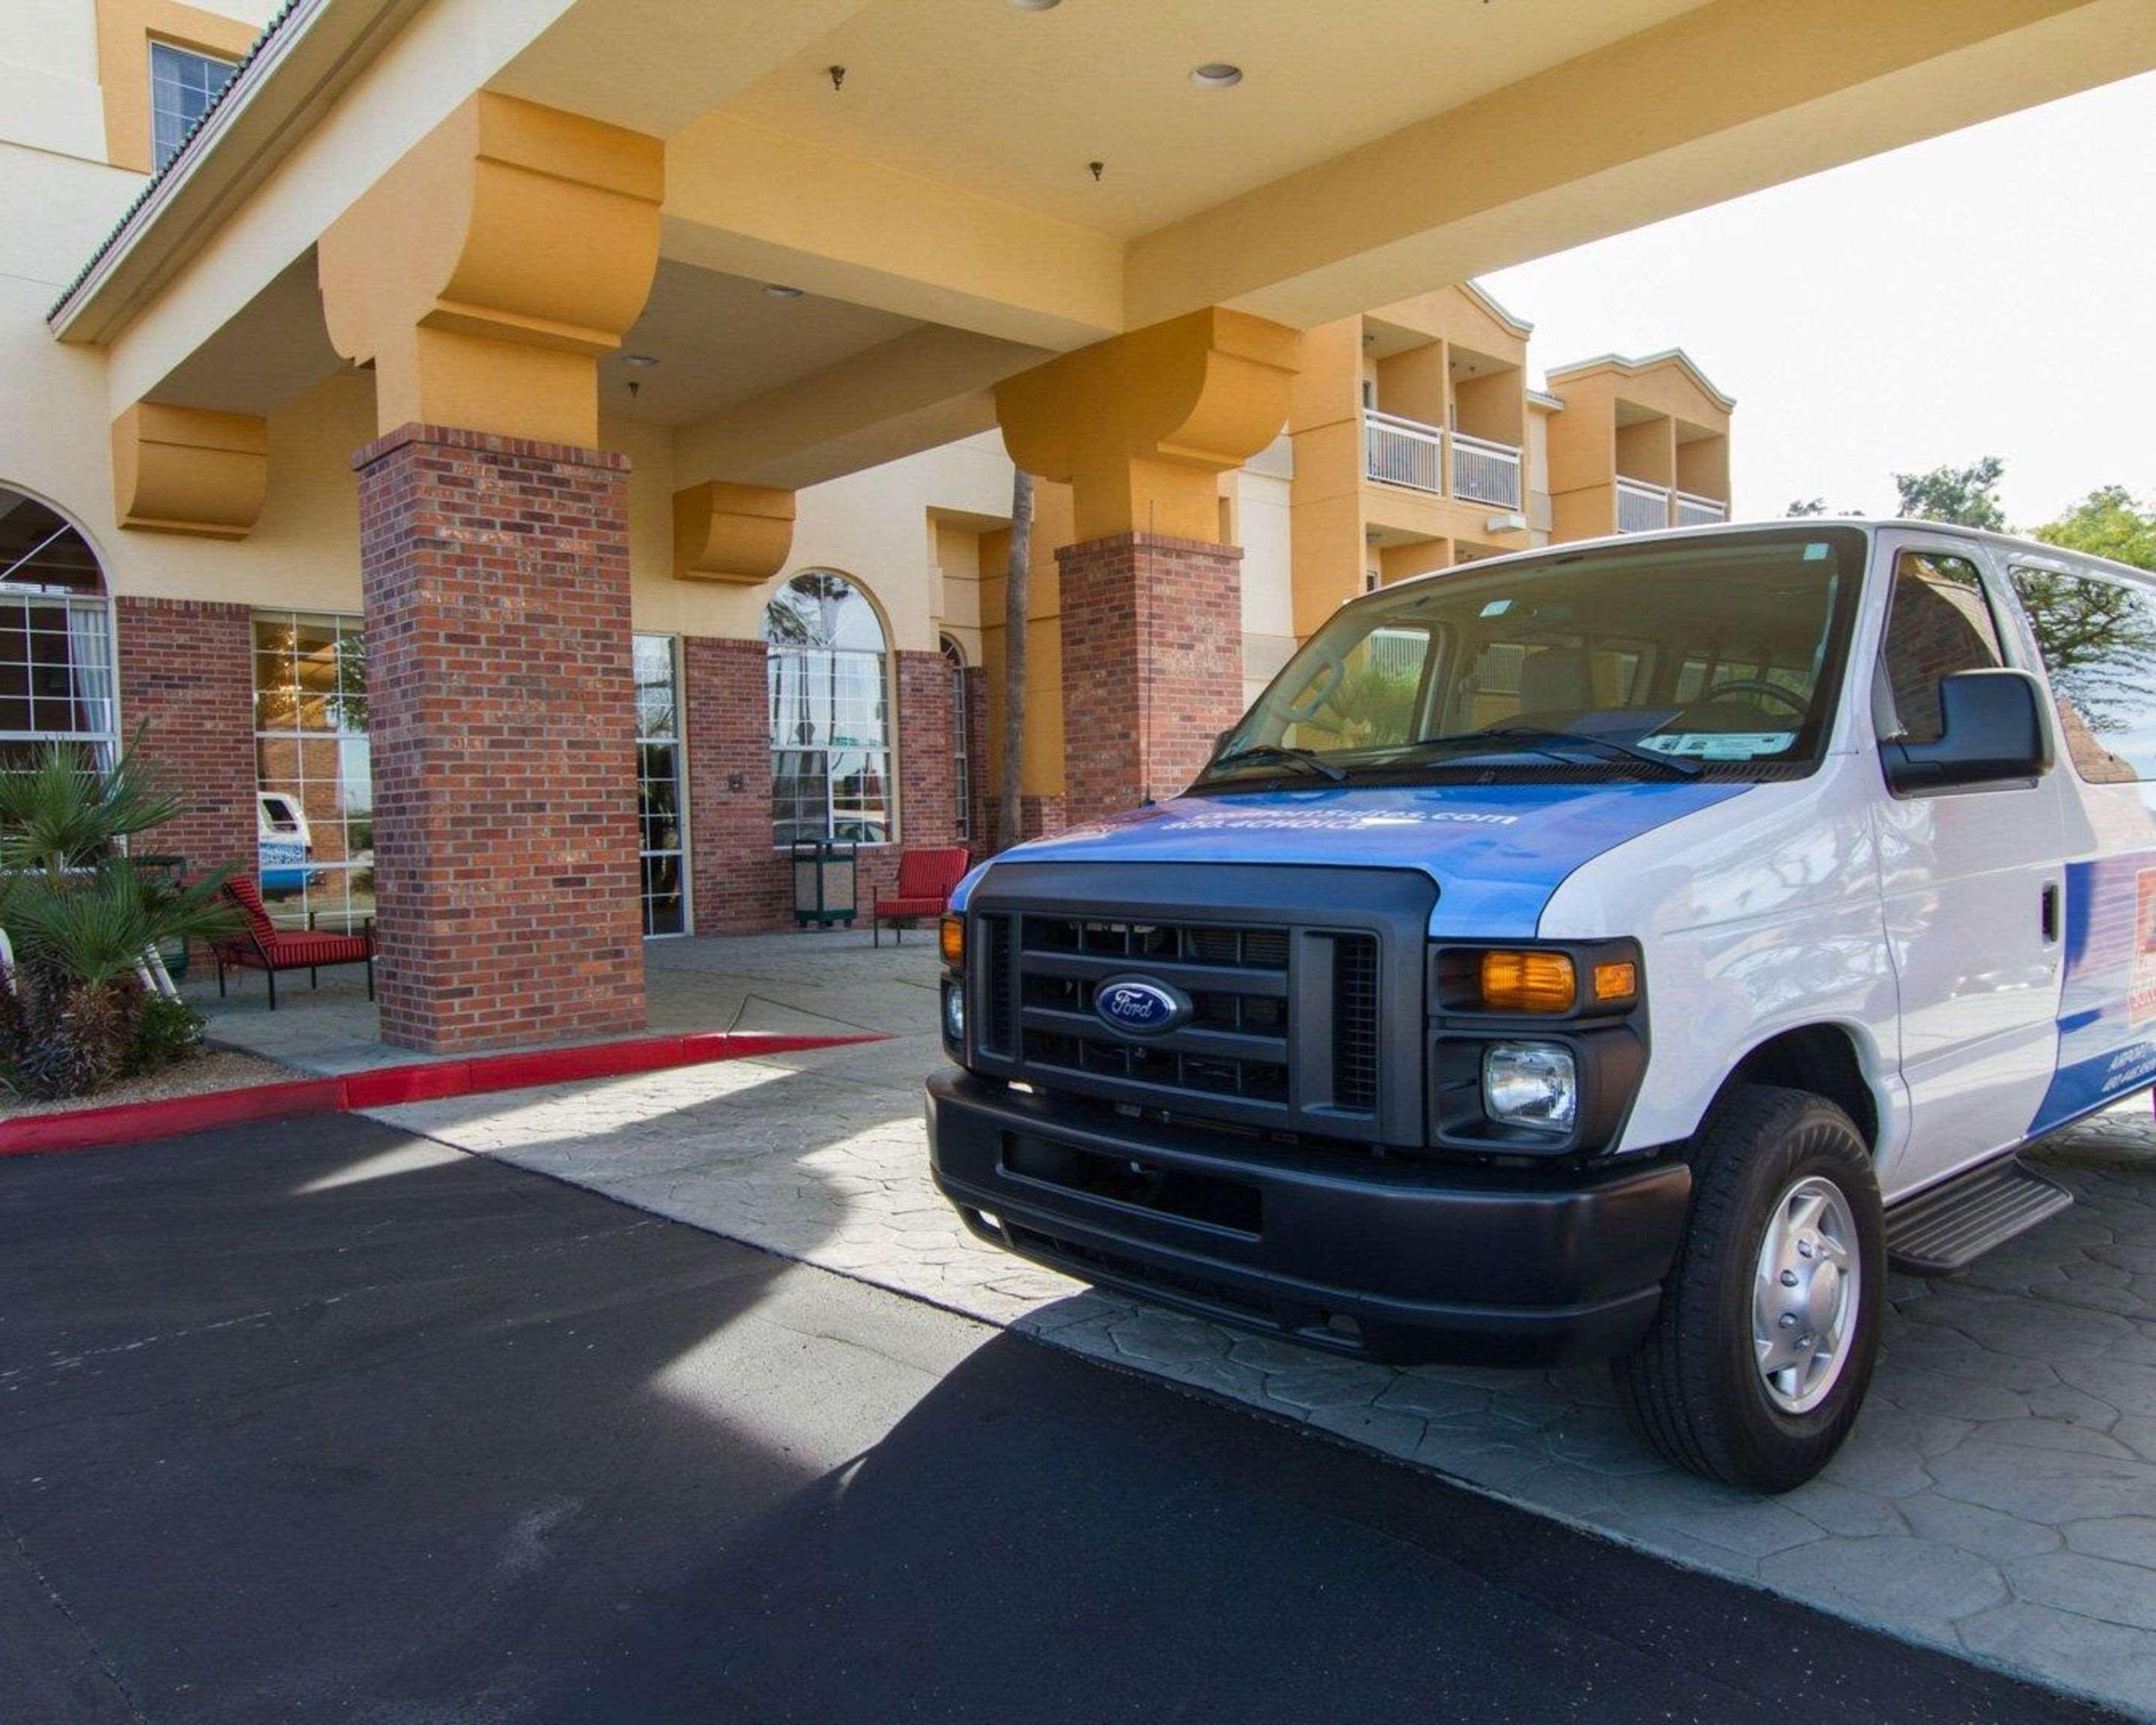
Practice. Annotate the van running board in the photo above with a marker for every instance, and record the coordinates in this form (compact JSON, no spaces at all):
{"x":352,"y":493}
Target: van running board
{"x":1951,"y":1226}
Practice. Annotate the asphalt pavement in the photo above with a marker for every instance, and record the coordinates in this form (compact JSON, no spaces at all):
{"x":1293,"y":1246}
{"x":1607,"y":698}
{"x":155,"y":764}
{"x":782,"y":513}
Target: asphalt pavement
{"x":321,"y":1420}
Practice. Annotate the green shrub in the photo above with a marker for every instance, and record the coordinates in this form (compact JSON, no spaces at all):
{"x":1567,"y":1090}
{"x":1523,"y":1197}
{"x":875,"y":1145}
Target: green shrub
{"x":168,"y":1031}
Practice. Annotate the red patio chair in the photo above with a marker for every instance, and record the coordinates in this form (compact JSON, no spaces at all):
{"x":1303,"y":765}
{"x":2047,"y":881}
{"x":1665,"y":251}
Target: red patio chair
{"x":925,"y":879}
{"x":262,"y":946}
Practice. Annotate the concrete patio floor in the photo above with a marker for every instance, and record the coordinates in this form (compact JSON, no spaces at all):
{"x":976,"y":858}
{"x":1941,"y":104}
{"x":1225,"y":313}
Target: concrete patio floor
{"x":810,"y":982}
{"x":1998,"y":1498}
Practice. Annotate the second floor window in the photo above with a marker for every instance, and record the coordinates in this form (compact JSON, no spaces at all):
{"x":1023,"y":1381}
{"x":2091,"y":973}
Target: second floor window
{"x":182,"y":84}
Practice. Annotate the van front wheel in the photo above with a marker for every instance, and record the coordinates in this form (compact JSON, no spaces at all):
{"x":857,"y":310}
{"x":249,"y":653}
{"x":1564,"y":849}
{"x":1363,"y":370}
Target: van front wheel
{"x":1763,"y":1345}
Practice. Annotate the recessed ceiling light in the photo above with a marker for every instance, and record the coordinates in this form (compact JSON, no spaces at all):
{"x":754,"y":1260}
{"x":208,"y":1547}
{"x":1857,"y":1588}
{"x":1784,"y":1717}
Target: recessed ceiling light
{"x":779,"y":290}
{"x":1216,"y":75}
{"x":1036,"y":5}
{"x":640,"y":360}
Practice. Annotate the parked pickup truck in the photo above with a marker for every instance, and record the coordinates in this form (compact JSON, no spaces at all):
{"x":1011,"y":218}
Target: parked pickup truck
{"x":1623,"y":951}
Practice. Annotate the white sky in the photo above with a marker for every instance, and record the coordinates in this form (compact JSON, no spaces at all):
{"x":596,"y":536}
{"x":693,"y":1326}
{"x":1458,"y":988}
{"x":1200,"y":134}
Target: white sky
{"x":1988,"y":293}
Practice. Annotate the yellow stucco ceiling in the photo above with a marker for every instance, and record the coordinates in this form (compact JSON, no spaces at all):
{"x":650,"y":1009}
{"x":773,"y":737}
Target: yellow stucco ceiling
{"x":1012,"y":103}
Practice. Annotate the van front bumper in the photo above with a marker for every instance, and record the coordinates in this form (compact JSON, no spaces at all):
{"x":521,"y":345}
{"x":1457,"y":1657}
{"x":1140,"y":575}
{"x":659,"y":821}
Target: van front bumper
{"x":1391,"y":1258}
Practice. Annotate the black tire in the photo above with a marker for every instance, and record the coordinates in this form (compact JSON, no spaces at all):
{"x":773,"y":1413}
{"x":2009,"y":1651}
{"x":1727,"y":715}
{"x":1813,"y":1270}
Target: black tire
{"x":1692,"y":1388}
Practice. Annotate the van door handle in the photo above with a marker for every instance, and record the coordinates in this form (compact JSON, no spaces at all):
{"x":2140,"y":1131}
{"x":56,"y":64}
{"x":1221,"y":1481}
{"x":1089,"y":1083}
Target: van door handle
{"x":2049,"y":915}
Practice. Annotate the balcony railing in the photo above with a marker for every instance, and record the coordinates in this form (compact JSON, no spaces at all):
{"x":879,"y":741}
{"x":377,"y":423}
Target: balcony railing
{"x":1406,"y":452}
{"x":1641,"y":508}
{"x":1403,"y":452}
{"x":1694,"y":510}
{"x":1485,"y":472}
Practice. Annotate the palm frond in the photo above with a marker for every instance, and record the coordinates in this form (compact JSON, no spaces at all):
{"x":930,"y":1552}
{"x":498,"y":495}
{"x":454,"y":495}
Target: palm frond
{"x":93,"y":927}
{"x":66,"y":812}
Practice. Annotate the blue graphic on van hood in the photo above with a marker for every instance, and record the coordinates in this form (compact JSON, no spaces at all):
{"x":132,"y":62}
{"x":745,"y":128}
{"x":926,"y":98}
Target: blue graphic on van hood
{"x":1497,"y":852}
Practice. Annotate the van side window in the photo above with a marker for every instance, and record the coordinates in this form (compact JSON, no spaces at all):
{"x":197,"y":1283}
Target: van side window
{"x":1939,"y":623}
{"x":2098,"y":637}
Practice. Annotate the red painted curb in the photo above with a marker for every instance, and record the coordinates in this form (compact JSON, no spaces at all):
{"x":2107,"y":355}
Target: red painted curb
{"x":385,"y":1086}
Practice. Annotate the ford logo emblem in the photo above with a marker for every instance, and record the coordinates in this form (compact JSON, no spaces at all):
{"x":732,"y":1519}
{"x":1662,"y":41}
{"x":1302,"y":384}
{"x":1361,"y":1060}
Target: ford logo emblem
{"x":1139,"y":1006}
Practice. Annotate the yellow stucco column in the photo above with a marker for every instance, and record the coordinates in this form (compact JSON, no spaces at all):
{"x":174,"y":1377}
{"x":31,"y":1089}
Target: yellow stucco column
{"x":485,"y":272}
{"x":1142,"y":425}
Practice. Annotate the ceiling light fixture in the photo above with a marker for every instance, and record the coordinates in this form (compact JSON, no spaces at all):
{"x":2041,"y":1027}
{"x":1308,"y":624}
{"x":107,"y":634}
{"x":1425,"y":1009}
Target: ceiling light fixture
{"x":779,"y":290}
{"x":1216,"y":75}
{"x":640,"y":360}
{"x":1036,"y":5}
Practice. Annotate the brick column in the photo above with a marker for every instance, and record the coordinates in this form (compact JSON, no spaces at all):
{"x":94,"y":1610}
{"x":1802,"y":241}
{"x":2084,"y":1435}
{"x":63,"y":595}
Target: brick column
{"x":186,"y":670}
{"x":1152,"y":633}
{"x":501,"y":711}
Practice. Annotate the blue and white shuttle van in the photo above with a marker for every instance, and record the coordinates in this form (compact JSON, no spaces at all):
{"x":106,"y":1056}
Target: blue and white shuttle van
{"x":1625,"y":950}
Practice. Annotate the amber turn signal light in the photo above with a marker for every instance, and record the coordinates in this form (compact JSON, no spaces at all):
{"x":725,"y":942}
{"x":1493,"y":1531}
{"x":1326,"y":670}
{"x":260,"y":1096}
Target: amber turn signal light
{"x":1528,"y":981}
{"x":1616,"y":983}
{"x":950,"y":938}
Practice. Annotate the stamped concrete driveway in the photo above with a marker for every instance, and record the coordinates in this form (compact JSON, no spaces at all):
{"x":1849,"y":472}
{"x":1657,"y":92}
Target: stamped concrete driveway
{"x":1998,"y":1498}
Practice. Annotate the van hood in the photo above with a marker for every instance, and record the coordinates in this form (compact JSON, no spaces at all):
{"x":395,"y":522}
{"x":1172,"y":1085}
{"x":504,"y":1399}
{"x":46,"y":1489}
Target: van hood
{"x":1497,"y":852}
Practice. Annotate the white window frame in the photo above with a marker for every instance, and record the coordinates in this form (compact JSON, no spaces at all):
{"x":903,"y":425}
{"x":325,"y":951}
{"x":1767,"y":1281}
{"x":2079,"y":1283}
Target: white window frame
{"x":678,"y":740}
{"x":346,"y":622}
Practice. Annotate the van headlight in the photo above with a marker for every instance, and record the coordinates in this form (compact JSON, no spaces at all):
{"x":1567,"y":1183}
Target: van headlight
{"x":954,"y":1013}
{"x":1531,"y":1084}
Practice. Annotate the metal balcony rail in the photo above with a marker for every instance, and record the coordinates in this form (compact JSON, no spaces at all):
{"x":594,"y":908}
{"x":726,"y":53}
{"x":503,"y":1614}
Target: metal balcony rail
{"x":1403,"y":452}
{"x":1641,"y":508}
{"x":1485,"y":472}
{"x":1694,"y":510}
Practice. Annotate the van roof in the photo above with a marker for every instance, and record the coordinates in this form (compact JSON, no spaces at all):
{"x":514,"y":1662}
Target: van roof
{"x":2025,"y":549}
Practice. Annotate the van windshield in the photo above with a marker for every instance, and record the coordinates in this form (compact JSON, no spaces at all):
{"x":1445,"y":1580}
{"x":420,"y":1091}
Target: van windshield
{"x":1715,"y":656}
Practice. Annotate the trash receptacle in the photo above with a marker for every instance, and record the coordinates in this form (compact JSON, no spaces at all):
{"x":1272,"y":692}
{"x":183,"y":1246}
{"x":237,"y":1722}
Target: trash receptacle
{"x":823,"y":881}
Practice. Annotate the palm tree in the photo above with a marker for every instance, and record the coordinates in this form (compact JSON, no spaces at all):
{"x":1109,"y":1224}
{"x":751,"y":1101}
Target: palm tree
{"x":81,"y":916}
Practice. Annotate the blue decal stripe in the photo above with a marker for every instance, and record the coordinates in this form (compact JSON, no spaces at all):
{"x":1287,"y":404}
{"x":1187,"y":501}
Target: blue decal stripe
{"x":2107,"y":995}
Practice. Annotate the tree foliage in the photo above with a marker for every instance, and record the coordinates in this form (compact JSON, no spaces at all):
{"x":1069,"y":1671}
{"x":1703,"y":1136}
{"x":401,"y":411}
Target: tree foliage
{"x":2109,"y":522}
{"x":1966,"y":495}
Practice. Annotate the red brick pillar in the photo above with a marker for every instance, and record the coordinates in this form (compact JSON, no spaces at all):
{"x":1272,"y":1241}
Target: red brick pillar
{"x":1152,"y":632}
{"x":187,"y":671}
{"x":501,"y":711}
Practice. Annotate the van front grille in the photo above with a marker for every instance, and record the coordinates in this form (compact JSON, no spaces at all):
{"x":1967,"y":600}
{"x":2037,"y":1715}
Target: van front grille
{"x":1355,"y":1021}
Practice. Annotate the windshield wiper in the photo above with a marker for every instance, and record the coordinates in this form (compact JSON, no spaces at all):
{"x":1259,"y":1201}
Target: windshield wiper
{"x":1277,"y":751}
{"x":1537,"y":740}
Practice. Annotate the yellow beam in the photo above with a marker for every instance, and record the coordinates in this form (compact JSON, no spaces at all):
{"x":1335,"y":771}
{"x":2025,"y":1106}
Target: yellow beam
{"x":749,"y":201}
{"x":922,"y":389}
{"x":1720,"y":101}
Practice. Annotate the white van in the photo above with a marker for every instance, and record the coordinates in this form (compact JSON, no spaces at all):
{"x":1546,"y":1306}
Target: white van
{"x":284,"y":843}
{"x":1625,"y":950}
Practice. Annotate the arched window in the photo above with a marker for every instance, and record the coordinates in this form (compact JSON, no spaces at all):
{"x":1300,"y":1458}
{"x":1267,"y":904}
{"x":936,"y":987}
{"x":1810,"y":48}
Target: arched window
{"x":962,"y":768}
{"x":830,"y":731}
{"x":55,"y":635}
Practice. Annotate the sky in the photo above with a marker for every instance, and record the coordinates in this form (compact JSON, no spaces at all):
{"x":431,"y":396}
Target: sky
{"x":1992,"y":292}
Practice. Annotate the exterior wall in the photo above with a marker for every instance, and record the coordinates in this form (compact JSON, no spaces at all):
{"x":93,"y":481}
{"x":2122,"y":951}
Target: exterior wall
{"x":1264,"y":520}
{"x":740,"y":883}
{"x":186,"y":672}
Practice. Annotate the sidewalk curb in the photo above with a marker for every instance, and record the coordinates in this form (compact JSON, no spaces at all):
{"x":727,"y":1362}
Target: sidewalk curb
{"x":385,"y":1086}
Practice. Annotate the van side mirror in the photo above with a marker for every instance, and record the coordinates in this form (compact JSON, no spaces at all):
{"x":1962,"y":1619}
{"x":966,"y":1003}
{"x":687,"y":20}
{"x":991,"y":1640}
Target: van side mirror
{"x":1991,"y":731}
